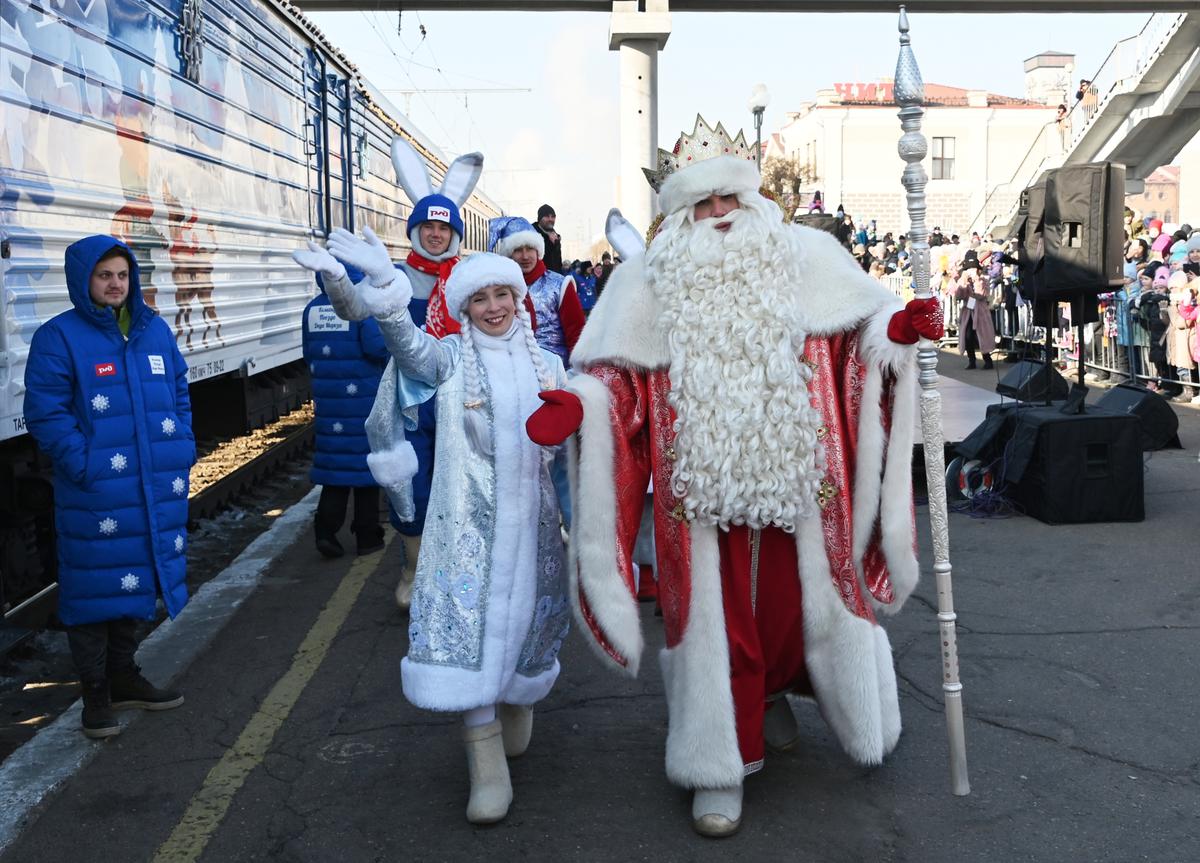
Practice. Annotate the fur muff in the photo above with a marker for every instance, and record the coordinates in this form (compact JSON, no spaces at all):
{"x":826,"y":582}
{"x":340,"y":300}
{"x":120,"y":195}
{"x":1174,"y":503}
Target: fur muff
{"x":393,"y":467}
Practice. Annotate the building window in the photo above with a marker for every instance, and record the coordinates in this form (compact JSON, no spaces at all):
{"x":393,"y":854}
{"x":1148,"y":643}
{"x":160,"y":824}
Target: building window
{"x":943,"y":159}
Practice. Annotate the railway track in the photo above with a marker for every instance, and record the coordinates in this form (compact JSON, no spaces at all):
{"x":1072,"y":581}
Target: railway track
{"x":229,"y":468}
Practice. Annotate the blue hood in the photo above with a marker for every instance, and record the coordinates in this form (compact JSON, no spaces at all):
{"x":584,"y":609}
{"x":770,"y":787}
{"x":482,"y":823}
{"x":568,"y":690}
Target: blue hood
{"x":81,"y":259}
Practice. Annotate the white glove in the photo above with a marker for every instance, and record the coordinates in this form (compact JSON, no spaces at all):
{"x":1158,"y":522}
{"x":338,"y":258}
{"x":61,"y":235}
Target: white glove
{"x":319,"y":261}
{"x":368,"y":255}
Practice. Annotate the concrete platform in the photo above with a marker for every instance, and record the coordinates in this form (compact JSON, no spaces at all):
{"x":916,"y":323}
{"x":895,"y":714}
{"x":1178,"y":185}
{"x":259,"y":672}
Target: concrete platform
{"x":1079,"y":664}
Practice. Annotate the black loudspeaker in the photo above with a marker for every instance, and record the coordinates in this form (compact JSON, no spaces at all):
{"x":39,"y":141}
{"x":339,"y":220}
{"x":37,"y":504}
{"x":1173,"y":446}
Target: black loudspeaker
{"x":1083,"y":233}
{"x":1160,"y":425}
{"x":1084,"y":467}
{"x":1031,"y":214}
{"x":1028,"y":381}
{"x":1072,"y":239}
{"x":820,"y":221}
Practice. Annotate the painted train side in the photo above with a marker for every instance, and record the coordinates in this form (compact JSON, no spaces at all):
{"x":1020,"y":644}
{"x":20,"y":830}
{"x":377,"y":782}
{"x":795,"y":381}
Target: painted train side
{"x":213,"y":136}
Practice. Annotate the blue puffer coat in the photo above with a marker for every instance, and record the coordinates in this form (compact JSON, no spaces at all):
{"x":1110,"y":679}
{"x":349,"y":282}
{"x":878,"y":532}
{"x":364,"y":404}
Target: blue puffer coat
{"x":346,"y":360}
{"x":114,"y":415}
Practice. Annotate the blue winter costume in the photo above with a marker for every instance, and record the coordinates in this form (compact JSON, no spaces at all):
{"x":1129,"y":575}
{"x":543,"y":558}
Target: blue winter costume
{"x":114,"y":415}
{"x":346,"y":360}
{"x":425,"y":431}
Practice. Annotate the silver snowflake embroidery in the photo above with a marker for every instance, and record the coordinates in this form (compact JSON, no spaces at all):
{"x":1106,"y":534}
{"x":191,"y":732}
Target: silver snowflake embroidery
{"x":129,"y":582}
{"x":338,"y":427}
{"x":326,"y":351}
{"x":178,"y":542}
{"x":118,"y":462}
{"x":100,"y":403}
{"x":178,"y":485}
{"x":312,"y":368}
{"x":351,"y":389}
{"x":108,"y":526}
{"x":168,"y":426}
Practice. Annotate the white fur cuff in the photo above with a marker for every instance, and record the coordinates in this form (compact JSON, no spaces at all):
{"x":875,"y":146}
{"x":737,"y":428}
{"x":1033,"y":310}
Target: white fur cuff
{"x":385,"y":301}
{"x":393,"y":467}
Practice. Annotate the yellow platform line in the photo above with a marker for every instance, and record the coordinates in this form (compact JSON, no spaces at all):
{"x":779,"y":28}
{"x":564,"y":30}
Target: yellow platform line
{"x":208,"y":806}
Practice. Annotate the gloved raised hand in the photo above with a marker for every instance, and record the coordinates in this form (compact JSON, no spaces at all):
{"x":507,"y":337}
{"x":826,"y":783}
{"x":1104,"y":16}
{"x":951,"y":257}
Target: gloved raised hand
{"x":368,"y":254}
{"x":918,"y":318}
{"x":320,"y":261}
{"x":556,"y":420}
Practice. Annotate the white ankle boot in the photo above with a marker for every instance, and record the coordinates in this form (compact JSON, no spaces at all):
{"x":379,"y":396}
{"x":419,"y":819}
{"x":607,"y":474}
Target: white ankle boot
{"x":491,"y":789}
{"x":517,"y":721}
{"x":408,"y":575}
{"x":717,"y":812}
{"x":780,"y":731}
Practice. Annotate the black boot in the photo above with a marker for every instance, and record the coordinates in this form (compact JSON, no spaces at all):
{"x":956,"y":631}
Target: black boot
{"x":329,"y":546}
{"x":98,"y":719}
{"x":129,"y":690}
{"x":368,"y":539}
{"x":970,"y":362}
{"x":987,"y":362}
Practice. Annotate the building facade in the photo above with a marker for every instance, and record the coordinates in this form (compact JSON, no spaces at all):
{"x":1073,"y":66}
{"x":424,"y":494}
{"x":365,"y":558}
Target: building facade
{"x":844,"y":144}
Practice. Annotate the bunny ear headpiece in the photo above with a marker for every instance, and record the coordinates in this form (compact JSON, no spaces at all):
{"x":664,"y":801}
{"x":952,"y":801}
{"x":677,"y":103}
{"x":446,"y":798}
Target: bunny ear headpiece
{"x":413,"y":175}
{"x":622,"y":236}
{"x":428,"y":205}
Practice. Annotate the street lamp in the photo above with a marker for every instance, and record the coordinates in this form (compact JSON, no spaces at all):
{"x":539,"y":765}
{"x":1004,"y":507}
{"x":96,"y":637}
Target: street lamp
{"x":759,"y":100}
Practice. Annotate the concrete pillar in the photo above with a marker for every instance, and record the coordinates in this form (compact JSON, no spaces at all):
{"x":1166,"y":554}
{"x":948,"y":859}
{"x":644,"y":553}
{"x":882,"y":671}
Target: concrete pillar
{"x":638,"y":36}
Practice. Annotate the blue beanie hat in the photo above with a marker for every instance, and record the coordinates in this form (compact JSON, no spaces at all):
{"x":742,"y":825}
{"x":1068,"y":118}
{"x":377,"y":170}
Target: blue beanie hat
{"x":435,"y":208}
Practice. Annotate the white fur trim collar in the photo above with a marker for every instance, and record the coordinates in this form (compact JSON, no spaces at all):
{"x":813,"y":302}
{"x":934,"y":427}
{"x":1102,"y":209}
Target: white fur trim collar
{"x":622,"y":328}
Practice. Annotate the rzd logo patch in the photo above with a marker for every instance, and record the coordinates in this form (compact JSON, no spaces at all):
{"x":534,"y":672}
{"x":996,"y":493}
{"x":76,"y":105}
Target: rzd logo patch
{"x":105,"y":370}
{"x":442,"y":214}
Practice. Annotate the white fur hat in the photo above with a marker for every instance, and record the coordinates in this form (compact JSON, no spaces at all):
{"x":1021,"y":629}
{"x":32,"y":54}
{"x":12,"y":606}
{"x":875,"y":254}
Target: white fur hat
{"x":722,"y":175}
{"x":479,"y":271}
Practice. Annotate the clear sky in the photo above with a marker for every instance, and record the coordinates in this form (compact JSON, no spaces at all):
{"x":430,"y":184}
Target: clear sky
{"x":558,"y":142}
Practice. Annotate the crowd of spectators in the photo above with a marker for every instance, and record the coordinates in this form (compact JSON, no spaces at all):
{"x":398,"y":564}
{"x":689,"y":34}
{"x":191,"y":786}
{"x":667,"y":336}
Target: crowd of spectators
{"x":1145,"y":332}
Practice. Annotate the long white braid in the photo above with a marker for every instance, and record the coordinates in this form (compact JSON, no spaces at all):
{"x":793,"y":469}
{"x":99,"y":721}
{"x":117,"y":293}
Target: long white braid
{"x":474,"y":417}
{"x":545,"y":382}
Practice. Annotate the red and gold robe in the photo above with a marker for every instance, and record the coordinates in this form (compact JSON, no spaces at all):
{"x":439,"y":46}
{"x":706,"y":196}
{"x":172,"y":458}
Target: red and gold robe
{"x":856,"y":554}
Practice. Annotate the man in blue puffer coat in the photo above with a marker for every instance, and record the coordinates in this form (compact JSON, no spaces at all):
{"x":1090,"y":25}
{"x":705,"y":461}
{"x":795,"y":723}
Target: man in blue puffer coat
{"x":107,"y":398}
{"x":346,"y":360}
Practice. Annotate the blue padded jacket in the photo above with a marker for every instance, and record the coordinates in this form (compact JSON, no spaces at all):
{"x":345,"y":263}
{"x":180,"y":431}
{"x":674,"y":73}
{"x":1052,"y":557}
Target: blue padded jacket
{"x":114,"y":415}
{"x":346,"y":360}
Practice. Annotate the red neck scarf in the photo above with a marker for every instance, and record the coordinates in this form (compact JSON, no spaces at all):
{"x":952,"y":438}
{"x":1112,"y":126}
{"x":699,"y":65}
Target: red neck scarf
{"x":535,"y":274}
{"x":438,"y":322}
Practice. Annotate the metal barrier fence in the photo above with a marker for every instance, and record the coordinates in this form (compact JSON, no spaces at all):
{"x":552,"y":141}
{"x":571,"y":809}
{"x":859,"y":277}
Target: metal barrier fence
{"x":1103,"y":354}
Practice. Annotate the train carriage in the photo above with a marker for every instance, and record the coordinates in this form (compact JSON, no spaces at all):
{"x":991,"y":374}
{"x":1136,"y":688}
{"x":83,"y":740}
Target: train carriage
{"x":214,"y":137}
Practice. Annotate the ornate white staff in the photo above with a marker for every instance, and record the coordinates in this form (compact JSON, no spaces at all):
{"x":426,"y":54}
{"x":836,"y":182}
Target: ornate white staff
{"x":909,"y":93}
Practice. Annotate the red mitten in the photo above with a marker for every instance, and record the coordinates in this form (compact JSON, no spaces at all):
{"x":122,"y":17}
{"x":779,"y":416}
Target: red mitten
{"x":918,"y":318}
{"x":556,"y":420}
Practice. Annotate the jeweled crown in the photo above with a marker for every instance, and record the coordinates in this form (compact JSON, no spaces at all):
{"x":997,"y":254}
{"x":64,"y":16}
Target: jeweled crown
{"x":705,"y":142}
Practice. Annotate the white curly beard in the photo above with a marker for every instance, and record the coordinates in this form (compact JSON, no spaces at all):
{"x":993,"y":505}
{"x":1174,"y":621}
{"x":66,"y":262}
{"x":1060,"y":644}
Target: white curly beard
{"x":746,"y":433}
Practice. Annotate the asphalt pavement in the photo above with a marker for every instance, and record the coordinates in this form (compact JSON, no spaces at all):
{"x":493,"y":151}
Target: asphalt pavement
{"x":1079,"y":662}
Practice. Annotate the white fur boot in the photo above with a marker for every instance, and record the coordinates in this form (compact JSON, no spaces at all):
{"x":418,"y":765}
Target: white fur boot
{"x":780,"y":731}
{"x":412,"y":547}
{"x":717,"y":812}
{"x":491,"y":789}
{"x":517,"y":721}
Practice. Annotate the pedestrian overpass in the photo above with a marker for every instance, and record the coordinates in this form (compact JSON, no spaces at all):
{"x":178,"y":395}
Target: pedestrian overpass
{"x":1144,"y":109}
{"x":639,"y":30}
